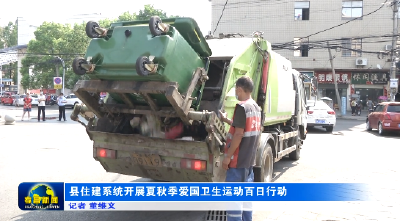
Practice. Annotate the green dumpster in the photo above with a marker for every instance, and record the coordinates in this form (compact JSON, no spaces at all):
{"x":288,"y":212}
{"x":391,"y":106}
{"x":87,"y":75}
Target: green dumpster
{"x":128,"y":47}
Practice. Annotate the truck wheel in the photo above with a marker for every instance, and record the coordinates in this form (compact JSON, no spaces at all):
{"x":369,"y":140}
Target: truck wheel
{"x":76,"y":66}
{"x":153,"y":25}
{"x":140,"y":68}
{"x":295,"y":155}
{"x":90,"y":32}
{"x":264,"y":173}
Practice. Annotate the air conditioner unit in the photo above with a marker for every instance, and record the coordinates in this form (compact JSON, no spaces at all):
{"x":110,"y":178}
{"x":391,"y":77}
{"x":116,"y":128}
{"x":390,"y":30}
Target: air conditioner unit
{"x":388,"y":47}
{"x":361,"y":61}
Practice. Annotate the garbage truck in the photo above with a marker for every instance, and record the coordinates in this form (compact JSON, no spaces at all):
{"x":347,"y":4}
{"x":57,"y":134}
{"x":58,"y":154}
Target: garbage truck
{"x":165,"y":84}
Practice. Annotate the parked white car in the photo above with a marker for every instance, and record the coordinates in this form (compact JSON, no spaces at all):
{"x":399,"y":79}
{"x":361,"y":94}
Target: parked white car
{"x":19,"y":100}
{"x":72,"y":99}
{"x":320,"y":114}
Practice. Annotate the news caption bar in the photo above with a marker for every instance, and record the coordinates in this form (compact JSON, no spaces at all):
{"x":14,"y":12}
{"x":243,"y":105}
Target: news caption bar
{"x":204,"y":196}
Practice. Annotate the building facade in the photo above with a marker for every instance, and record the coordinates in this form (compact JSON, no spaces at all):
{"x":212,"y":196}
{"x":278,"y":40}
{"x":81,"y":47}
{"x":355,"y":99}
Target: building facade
{"x":359,"y":48}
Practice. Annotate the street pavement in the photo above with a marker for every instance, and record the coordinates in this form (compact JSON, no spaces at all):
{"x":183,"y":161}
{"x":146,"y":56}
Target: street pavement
{"x":55,"y":151}
{"x":348,"y":116}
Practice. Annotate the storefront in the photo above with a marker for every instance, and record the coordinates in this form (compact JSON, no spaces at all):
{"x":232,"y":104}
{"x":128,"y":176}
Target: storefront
{"x":326,"y":86}
{"x":369,"y":86}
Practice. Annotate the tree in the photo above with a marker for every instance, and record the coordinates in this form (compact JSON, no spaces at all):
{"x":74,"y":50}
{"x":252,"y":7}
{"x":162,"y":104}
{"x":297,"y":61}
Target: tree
{"x":144,"y":14}
{"x":9,"y":35}
{"x":9,"y":38}
{"x":106,"y":23}
{"x":52,"y":40}
{"x":126,"y":16}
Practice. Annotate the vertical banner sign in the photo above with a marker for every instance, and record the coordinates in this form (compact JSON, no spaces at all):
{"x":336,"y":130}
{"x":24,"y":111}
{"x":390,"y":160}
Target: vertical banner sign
{"x":57,"y":82}
{"x":344,"y":105}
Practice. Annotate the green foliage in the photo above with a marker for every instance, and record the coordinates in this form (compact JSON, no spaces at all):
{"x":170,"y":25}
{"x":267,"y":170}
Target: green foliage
{"x":53,"y":39}
{"x":106,"y":23}
{"x":144,"y":14}
{"x":127,"y":16}
{"x":9,"y":35}
{"x":66,"y":42}
{"x":149,"y":11}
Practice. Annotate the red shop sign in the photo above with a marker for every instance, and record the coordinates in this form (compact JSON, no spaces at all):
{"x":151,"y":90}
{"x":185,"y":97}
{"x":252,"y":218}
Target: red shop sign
{"x":327,"y":77}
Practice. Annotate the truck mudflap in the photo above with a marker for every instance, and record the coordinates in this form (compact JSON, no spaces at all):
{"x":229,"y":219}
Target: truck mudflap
{"x":156,"y":158}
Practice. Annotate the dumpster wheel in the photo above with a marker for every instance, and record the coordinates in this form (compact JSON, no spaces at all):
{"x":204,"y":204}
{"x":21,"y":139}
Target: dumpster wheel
{"x":90,"y":29}
{"x":76,"y":66}
{"x":140,"y":66}
{"x":153,"y":25}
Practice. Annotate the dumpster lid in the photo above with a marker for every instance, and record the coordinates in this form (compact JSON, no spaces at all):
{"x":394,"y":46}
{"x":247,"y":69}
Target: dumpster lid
{"x":227,"y":48}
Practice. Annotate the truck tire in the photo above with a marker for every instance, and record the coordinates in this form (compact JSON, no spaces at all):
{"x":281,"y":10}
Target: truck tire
{"x":153,"y":25}
{"x":295,"y":155}
{"x":265,"y":171}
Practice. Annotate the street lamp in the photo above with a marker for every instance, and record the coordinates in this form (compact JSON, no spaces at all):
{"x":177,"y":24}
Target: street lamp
{"x":63,"y":64}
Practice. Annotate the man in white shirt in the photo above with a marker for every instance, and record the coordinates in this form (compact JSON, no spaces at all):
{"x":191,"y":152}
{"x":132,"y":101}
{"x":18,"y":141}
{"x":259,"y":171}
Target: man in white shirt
{"x":61,"y":100}
{"x":41,"y":106}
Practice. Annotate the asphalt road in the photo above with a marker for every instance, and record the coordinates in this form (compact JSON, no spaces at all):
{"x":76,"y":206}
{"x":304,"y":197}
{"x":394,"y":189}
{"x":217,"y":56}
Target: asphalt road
{"x":55,"y":151}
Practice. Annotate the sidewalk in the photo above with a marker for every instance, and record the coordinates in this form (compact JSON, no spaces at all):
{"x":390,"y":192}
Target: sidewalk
{"x":51,"y":114}
{"x":348,"y":116}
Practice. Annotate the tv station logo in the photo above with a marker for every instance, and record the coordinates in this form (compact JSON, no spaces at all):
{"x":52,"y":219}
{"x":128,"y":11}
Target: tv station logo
{"x":41,"y":196}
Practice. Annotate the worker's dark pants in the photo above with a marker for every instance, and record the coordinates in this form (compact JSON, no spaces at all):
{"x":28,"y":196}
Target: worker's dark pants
{"x":41,"y":109}
{"x":61,"y":111}
{"x":240,"y":175}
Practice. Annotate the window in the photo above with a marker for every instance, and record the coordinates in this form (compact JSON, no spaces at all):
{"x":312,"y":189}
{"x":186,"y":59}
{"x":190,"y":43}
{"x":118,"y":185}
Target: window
{"x":301,"y":10}
{"x":350,"y":46}
{"x":378,"y":108}
{"x":393,"y":108}
{"x":301,"y":47}
{"x":352,"y":9}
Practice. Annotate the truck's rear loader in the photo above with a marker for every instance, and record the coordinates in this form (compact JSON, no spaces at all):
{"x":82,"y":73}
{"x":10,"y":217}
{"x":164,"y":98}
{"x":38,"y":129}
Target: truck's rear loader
{"x":165,"y":85}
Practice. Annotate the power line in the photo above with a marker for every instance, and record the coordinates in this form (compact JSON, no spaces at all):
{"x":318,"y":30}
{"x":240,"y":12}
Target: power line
{"x":336,"y":39}
{"x":345,"y":22}
{"x":222,"y":13}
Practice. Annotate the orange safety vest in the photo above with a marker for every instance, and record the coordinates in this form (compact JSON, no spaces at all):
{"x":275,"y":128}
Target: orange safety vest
{"x":244,"y":155}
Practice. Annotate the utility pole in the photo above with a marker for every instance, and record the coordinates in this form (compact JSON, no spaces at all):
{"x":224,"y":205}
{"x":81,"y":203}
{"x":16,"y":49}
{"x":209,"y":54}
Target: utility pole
{"x":57,"y":76}
{"x":394,"y":42}
{"x":338,"y":99}
{"x":63,"y":77}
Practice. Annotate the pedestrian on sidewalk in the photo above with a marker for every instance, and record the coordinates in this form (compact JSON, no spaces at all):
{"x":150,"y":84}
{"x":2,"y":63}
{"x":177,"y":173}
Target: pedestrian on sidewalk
{"x":61,"y":100}
{"x":370,"y":105}
{"x":42,"y":106}
{"x":241,"y":147}
{"x":27,"y":106}
{"x":353,"y":105}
